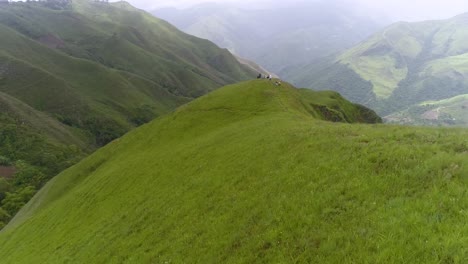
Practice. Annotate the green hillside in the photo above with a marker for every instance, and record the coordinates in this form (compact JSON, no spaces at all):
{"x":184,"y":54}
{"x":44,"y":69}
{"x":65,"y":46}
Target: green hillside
{"x":403,"y":66}
{"x":251,"y":174}
{"x":112,"y":62}
{"x":75,"y":77}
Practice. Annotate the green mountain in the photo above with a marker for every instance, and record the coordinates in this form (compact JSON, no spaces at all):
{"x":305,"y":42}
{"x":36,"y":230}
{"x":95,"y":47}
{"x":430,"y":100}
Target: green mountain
{"x":276,"y":37}
{"x":252,"y":173}
{"x":401,"y":67}
{"x":110,"y":61}
{"x":76,"y":76}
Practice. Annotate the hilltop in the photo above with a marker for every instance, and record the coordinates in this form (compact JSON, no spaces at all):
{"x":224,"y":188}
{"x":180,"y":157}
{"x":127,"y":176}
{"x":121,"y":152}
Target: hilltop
{"x":77,"y":75}
{"x":255,"y":173}
{"x":401,"y":67}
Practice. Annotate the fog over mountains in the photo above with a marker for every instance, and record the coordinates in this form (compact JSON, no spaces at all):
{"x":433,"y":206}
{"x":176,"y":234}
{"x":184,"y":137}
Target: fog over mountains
{"x":352,"y":47}
{"x":276,"y":37}
{"x":395,"y":10}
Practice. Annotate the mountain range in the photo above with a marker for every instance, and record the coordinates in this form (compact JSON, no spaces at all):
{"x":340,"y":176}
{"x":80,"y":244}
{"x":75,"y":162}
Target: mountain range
{"x":409,"y":72}
{"x":276,"y":37}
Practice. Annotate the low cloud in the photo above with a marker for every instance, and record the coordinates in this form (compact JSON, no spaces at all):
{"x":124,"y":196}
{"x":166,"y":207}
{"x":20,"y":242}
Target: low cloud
{"x":413,"y":10}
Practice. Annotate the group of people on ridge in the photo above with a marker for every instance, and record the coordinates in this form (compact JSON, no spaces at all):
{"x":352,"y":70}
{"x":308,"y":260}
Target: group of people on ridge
{"x":268,"y":76}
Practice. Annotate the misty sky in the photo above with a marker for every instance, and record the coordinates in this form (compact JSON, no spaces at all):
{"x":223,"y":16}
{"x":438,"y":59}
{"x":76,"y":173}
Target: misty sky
{"x":408,"y":10}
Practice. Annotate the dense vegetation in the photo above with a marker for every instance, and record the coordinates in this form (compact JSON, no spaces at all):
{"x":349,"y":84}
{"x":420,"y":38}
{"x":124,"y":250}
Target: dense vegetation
{"x":406,"y":65}
{"x":75,"y":77}
{"x":276,"y":37}
{"x":33,"y":148}
{"x":34,"y":159}
{"x":251,"y":174}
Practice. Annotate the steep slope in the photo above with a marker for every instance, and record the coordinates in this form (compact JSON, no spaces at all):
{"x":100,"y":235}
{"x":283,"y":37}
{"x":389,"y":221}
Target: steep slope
{"x":276,"y":37}
{"x":76,"y":91}
{"x":404,"y":65}
{"x":132,"y":63}
{"x":250,"y":174}
{"x":74,"y":77}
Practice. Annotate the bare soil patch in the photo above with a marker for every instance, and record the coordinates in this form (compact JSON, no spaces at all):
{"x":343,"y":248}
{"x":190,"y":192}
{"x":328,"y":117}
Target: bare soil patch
{"x":7,"y":171}
{"x":52,"y":41}
{"x":431,"y":115}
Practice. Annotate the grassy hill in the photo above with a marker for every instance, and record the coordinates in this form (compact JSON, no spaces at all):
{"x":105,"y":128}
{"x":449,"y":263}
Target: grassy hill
{"x":252,"y":173}
{"x":75,"y":77}
{"x":403,"y":66}
{"x":276,"y":37}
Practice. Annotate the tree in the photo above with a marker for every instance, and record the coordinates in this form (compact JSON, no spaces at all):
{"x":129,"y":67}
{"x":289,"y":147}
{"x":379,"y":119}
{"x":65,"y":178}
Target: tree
{"x":4,"y":218}
{"x":4,"y":188}
{"x":14,"y":201}
{"x":28,"y":175}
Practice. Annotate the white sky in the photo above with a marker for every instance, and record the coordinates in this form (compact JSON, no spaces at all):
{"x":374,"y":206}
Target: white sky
{"x":410,"y":10}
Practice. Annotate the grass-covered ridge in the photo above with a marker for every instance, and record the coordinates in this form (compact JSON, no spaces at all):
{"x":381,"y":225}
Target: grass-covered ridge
{"x":250,"y":174}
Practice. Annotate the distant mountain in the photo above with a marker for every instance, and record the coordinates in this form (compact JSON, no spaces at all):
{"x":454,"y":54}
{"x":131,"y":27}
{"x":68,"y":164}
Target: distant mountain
{"x":276,"y":37}
{"x":74,"y":77}
{"x":403,"y":66}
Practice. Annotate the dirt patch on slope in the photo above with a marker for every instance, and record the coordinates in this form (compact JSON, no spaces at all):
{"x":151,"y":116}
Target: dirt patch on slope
{"x":432,"y":114}
{"x":7,"y":171}
{"x":52,"y":41}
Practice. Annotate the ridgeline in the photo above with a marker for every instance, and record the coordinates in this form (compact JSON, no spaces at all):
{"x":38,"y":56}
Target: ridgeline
{"x":255,"y":173}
